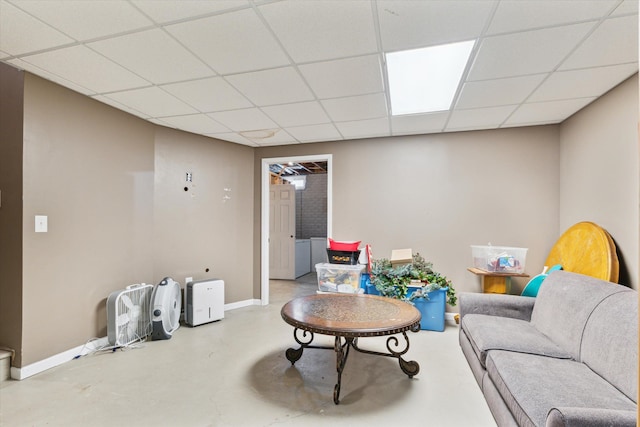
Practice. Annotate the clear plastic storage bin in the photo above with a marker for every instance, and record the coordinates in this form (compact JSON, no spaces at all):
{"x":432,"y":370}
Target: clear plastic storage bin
{"x":499,"y":259}
{"x":339,"y":277}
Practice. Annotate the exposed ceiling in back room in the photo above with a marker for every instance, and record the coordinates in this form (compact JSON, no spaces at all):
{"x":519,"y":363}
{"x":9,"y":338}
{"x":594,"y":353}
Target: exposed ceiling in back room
{"x":263,"y":72}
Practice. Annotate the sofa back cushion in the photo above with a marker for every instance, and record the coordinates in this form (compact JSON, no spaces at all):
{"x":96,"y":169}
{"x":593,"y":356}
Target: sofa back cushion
{"x":564,"y":303}
{"x":610,"y":342}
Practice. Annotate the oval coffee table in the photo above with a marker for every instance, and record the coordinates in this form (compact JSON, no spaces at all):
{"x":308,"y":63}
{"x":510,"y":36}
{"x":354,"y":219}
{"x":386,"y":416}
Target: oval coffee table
{"x":349,"y":317}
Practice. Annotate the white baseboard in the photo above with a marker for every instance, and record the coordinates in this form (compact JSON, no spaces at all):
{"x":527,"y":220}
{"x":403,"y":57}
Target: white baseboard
{"x":449,"y":317}
{"x":81,"y":350}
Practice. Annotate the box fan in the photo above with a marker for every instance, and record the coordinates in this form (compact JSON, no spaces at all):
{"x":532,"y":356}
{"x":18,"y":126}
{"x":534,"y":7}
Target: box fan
{"x":128,"y":317}
{"x":166,"y":304}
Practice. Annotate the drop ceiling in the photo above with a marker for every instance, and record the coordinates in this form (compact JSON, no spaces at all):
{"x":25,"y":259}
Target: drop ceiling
{"x":287,"y":72}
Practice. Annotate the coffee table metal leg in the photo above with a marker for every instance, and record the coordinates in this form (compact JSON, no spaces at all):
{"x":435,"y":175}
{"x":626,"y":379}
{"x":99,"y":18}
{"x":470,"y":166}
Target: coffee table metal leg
{"x":409,"y":367}
{"x":342,"y":352}
{"x":293,"y":354}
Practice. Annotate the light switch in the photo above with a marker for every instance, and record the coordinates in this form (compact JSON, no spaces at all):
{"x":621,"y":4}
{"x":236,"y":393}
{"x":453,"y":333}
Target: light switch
{"x":41,"y":223}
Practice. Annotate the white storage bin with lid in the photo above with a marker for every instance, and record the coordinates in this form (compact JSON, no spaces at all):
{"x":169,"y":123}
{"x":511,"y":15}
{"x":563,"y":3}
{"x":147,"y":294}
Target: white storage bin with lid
{"x":341,"y":278}
{"x":499,"y":259}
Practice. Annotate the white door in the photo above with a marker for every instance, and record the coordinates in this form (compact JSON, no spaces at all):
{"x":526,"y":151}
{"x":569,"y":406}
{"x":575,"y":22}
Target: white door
{"x":282,"y":231}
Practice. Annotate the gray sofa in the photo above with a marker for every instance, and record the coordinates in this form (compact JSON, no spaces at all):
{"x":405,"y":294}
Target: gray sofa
{"x":568,"y":357}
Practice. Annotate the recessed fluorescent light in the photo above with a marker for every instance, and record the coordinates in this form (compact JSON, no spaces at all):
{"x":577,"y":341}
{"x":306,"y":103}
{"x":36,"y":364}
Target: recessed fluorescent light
{"x":425,"y":80}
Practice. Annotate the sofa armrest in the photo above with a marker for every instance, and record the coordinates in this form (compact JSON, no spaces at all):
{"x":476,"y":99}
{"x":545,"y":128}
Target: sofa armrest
{"x":590,"y":417}
{"x":502,"y":305}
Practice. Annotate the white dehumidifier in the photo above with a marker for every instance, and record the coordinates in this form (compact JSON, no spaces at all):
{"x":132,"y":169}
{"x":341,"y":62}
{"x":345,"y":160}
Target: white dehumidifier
{"x":204,"y":301}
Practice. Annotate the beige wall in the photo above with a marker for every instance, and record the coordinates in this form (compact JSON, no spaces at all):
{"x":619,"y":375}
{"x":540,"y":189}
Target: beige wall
{"x":89,"y":168}
{"x":205,"y":227}
{"x":11,"y":121}
{"x":112,"y":186}
{"x":599,"y":171}
{"x":438,"y":194}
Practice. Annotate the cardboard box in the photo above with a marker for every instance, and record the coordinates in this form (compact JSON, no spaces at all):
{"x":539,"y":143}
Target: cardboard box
{"x":401,"y":257}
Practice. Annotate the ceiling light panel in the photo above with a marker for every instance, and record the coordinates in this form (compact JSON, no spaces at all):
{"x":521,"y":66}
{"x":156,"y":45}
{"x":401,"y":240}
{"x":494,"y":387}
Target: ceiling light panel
{"x":154,"y":55}
{"x":615,"y":41}
{"x":525,"y":15}
{"x":152,"y":101}
{"x":265,"y":87}
{"x":529,"y":52}
{"x":234,"y":42}
{"x":85,"y":20}
{"x":490,"y":93}
{"x":356,"y":107}
{"x":298,"y":114}
{"x":244,"y":120}
{"x":426,"y":80}
{"x":165,"y":11}
{"x":87,"y":68}
{"x":345,"y":77}
{"x":14,"y":23}
{"x":412,"y":24}
{"x":209,"y":95}
{"x":321,"y":30}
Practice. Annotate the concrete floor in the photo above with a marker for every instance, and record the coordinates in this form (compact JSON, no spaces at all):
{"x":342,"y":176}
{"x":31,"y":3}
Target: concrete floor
{"x":234,"y":373}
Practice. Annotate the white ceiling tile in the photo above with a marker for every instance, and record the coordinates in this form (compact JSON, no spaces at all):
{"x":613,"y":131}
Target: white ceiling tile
{"x":154,"y":55}
{"x":269,"y":137}
{"x":356,"y":107}
{"x":418,"y":123}
{"x":196,"y":123}
{"x":413,"y":24}
{"x":547,"y":112}
{"x":344,"y":77}
{"x":319,"y":30}
{"x":209,"y":95}
{"x":265,"y":87}
{"x":171,"y":11}
{"x":582,"y":83}
{"x":364,"y":128}
{"x":120,"y":106}
{"x":244,"y":120}
{"x":323,"y":132}
{"x":626,"y":7}
{"x":233,"y":137}
{"x":152,"y":101}
{"x":489,"y":93}
{"x":19,"y":63}
{"x":529,"y":52}
{"x":483,"y":118}
{"x":85,"y":20}
{"x":85,"y":67}
{"x":615,"y":41}
{"x":231,"y":43}
{"x":518,"y":15}
{"x":15,"y":24}
{"x":298,"y":114}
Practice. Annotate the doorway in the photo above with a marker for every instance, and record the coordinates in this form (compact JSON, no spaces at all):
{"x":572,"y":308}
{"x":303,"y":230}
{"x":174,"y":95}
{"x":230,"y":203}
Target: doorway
{"x":264,"y":223}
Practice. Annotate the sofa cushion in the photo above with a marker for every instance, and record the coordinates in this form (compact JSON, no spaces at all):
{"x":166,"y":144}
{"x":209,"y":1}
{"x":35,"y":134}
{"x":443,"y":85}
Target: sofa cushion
{"x":532,"y":385}
{"x":487,"y":333}
{"x":563,"y":305}
{"x":610,"y":341}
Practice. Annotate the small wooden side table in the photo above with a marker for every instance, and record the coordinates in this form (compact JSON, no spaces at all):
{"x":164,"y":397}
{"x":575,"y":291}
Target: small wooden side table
{"x":494,"y":282}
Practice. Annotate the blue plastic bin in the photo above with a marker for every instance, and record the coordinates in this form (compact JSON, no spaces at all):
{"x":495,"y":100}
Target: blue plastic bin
{"x":432,"y":309}
{"x":365,"y":279}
